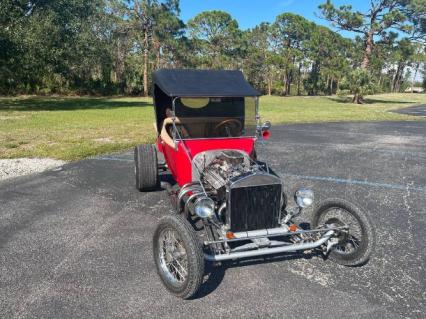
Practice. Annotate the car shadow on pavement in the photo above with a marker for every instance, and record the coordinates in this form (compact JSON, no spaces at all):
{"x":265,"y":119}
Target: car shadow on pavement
{"x":215,"y":275}
{"x":216,"y":272}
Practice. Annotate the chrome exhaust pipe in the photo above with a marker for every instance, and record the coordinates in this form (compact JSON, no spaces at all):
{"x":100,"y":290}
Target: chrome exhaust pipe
{"x":194,"y":187}
{"x":189,"y":206}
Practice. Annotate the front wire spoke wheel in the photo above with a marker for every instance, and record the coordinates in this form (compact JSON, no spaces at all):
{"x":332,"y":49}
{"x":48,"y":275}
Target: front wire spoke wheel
{"x":173,"y":256}
{"x":355,"y":243}
{"x":178,"y":255}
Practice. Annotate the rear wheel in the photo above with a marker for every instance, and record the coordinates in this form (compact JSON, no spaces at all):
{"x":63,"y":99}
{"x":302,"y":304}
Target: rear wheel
{"x":178,"y":256}
{"x":355,"y":245}
{"x":146,"y":167}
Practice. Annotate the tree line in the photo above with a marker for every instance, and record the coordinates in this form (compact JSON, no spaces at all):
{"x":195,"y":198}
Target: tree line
{"x":112,"y":47}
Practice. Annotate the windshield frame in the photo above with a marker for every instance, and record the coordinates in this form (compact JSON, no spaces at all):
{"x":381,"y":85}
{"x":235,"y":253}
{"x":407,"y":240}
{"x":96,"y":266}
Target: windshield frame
{"x":177,"y":136}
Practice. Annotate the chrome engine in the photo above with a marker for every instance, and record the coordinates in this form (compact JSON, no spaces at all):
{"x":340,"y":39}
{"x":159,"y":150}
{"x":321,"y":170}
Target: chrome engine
{"x":224,"y":166}
{"x":246,"y":196}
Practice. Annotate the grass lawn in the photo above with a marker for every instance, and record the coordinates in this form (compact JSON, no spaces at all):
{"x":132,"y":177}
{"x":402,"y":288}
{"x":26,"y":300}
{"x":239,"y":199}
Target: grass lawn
{"x":72,"y":128}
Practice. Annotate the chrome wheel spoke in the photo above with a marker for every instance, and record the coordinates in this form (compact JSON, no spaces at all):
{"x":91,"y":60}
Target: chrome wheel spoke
{"x":350,"y":240}
{"x":179,"y":270}
{"x":173,"y":258}
{"x":354,"y":241}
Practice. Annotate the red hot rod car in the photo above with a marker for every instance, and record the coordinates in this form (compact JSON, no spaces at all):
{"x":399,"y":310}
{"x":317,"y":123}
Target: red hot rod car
{"x":228,"y":205}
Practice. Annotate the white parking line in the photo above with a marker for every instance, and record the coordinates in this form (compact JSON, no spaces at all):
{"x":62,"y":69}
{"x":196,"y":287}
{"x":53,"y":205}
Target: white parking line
{"x":358,"y":182}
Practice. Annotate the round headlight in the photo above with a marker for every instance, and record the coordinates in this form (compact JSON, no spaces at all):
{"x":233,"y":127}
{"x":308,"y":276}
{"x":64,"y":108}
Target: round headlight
{"x":304,"y":197}
{"x":204,"y":207}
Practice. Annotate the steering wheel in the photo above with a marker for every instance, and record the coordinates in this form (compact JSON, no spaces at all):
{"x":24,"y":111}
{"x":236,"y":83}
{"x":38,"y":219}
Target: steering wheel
{"x":229,"y":127}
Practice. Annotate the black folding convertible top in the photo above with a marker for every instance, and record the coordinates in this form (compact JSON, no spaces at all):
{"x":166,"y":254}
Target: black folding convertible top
{"x":230,"y":86}
{"x":203,"y":83}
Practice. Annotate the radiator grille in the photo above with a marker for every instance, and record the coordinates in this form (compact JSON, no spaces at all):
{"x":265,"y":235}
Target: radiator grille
{"x":254,"y":207}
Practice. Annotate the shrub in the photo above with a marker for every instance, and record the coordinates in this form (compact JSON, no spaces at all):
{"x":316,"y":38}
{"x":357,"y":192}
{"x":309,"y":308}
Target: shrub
{"x":343,"y":93}
{"x":360,"y":83}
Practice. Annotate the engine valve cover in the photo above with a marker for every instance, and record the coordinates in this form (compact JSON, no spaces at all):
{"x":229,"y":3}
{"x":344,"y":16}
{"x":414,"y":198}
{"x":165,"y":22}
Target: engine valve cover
{"x":218,"y":167}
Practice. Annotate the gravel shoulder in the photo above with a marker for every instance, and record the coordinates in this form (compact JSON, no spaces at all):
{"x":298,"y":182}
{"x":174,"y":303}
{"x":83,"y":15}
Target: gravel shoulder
{"x":10,"y":168}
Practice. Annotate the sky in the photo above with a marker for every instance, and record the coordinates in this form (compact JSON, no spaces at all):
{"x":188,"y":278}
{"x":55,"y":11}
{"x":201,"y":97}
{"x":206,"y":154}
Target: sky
{"x":249,"y":13}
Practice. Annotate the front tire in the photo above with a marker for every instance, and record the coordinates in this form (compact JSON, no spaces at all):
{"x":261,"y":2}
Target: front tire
{"x":146,"y":167}
{"x":178,"y":256}
{"x":356,"y":245}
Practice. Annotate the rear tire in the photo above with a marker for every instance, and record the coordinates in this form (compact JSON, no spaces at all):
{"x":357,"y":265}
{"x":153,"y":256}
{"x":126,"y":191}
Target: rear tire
{"x":178,"y":256}
{"x":146,"y":167}
{"x":355,"y":246}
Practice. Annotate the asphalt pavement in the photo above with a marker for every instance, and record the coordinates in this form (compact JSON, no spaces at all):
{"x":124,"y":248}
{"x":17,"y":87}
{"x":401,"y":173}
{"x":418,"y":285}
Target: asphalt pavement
{"x":417,"y":110}
{"x":75,"y":242}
